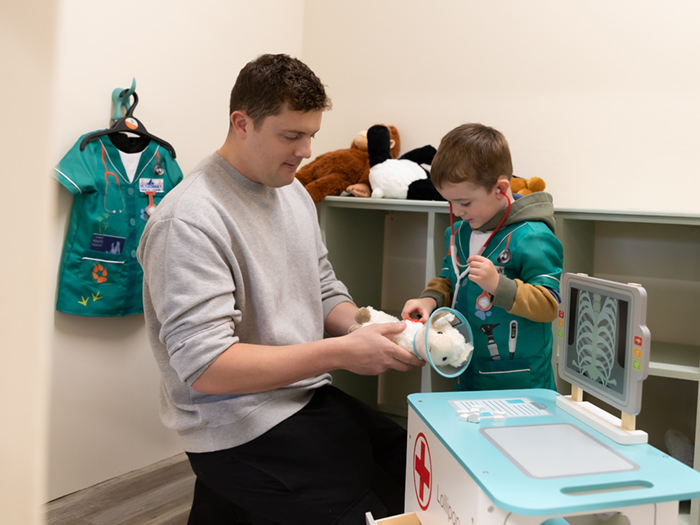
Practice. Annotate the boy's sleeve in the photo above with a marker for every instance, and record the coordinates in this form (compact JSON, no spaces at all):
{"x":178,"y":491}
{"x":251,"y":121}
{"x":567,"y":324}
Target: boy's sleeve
{"x":76,"y":170}
{"x":440,"y":289}
{"x":539,"y":259}
{"x":535,"y":303}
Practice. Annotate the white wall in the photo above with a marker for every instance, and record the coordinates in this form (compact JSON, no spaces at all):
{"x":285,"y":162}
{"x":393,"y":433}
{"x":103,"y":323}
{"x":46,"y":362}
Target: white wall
{"x":185,"y":57}
{"x":599,"y":98}
{"x":26,"y":44}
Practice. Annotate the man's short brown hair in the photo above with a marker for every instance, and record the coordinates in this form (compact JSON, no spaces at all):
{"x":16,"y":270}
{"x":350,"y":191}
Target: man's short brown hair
{"x":472,"y":153}
{"x":265,"y":85}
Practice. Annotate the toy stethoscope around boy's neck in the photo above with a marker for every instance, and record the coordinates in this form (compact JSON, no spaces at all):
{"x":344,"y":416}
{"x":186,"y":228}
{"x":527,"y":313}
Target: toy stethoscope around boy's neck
{"x":453,"y":248}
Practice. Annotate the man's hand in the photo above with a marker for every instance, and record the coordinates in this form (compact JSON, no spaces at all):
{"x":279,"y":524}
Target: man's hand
{"x":370,"y":352}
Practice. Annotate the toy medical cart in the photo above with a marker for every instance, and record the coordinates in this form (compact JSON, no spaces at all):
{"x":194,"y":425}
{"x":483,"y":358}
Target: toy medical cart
{"x":528,"y":457}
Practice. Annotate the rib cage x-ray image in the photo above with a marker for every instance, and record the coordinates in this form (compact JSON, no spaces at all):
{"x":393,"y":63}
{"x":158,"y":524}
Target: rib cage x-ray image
{"x":596,"y":346}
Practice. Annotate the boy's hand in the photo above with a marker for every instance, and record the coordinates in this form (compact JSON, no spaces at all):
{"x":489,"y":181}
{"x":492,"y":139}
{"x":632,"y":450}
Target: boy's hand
{"x":422,"y":307}
{"x":484,"y":273}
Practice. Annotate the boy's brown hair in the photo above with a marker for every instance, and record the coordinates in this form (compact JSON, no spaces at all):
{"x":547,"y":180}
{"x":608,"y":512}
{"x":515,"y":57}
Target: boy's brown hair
{"x":266,"y":84}
{"x":472,"y":153}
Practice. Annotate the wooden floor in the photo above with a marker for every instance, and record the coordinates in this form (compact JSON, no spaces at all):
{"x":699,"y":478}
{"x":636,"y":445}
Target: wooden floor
{"x":160,"y":494}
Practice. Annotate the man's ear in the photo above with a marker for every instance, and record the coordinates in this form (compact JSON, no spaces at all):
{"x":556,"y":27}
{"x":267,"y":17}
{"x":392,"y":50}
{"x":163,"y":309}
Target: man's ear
{"x":240,"y":123}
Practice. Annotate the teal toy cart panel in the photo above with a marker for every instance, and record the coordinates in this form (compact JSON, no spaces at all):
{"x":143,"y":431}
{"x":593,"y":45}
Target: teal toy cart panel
{"x":545,"y":462}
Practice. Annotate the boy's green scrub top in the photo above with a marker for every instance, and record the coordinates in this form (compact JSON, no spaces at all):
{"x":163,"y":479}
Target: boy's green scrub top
{"x":99,"y":273}
{"x":528,"y":251}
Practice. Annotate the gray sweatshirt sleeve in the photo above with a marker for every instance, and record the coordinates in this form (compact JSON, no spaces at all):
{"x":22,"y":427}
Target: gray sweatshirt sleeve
{"x":192,"y":293}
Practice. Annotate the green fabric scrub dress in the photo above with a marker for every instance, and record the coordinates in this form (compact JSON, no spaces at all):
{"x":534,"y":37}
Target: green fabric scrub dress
{"x":99,"y":274}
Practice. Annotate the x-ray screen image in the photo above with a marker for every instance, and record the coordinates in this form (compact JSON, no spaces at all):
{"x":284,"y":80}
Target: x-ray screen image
{"x":604,"y":339}
{"x":597,"y":338}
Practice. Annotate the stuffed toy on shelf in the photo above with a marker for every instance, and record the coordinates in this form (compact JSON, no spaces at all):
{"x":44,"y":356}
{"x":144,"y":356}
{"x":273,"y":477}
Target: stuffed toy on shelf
{"x":526,"y":186}
{"x":389,"y":177}
{"x":337,"y":171}
{"x":402,"y":178}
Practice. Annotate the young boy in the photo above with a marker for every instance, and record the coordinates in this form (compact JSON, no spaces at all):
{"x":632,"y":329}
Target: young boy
{"x":502,"y":270}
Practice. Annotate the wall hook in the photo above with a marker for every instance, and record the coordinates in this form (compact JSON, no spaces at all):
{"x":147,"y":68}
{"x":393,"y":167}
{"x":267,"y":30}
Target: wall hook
{"x":121,"y":98}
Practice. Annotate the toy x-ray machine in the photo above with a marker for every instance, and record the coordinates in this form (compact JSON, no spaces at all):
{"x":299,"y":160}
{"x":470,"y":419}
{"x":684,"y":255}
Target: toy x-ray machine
{"x":528,"y":457}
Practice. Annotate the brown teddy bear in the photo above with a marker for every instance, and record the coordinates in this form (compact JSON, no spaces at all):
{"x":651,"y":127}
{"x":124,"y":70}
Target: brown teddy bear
{"x":526,"y":186}
{"x":341,"y":170}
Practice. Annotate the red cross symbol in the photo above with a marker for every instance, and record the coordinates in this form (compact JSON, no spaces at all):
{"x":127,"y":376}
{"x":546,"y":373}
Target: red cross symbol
{"x":422,"y":471}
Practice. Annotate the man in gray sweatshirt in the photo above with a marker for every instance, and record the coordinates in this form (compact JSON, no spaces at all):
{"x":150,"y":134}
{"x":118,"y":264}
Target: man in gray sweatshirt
{"x":238,"y":293}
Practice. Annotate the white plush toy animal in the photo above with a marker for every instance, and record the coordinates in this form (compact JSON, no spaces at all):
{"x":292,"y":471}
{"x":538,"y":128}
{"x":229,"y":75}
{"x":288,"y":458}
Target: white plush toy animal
{"x":389,"y":178}
{"x":446,"y":344}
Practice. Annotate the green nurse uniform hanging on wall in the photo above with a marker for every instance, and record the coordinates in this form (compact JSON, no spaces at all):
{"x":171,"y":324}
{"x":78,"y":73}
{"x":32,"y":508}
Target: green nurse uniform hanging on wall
{"x":117,"y":182}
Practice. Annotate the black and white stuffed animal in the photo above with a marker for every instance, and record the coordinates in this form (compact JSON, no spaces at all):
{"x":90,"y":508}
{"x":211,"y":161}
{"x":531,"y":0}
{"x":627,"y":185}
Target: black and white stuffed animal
{"x":396,"y":178}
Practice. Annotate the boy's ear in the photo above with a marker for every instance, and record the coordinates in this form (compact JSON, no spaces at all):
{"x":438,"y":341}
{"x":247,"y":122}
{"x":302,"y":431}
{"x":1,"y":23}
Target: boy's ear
{"x":502,"y":186}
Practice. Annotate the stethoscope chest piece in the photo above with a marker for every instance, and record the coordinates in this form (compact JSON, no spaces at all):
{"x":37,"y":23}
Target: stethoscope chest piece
{"x":483,"y":302}
{"x":504,"y":257}
{"x":158,"y":170}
